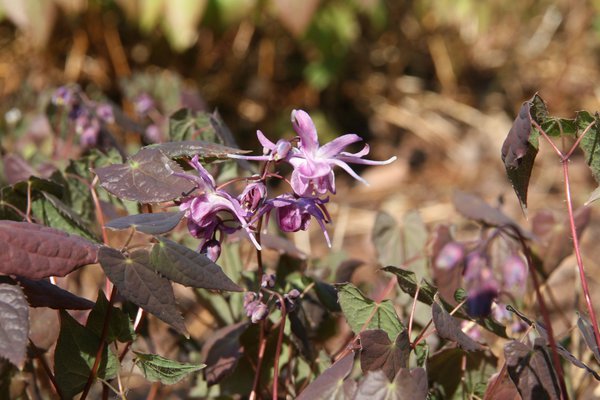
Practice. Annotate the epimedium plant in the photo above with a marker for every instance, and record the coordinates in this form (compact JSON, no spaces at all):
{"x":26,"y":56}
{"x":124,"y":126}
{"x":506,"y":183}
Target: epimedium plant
{"x":443,"y":319}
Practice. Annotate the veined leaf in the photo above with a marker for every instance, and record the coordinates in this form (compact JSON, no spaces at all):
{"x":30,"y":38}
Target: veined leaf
{"x":330,"y":383}
{"x":189,"y":148}
{"x":42,"y":293}
{"x":152,"y":224}
{"x":222,"y":351}
{"x":590,"y":143}
{"x":119,"y":328}
{"x":14,"y":329}
{"x":159,"y":369}
{"x":379,"y":352}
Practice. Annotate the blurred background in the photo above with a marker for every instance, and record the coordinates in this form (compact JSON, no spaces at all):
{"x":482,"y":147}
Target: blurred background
{"x":435,"y":82}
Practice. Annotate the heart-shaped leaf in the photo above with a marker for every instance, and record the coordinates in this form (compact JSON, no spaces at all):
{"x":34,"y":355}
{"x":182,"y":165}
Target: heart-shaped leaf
{"x":36,"y":252}
{"x":42,"y":293}
{"x":159,"y":369}
{"x":448,"y":328}
{"x":14,"y":329}
{"x":363,"y":313}
{"x":152,"y":224}
{"x":406,"y":385}
{"x":146,"y":177}
{"x":378,"y":352}
{"x":182,"y":265}
{"x":329,"y":384}
{"x":138,"y":283}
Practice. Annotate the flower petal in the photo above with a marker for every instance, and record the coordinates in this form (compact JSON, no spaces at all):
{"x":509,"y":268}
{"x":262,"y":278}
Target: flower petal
{"x":333,"y":148}
{"x":347,"y":168}
{"x":357,"y":160}
{"x":266,"y":143}
{"x":305,"y":128}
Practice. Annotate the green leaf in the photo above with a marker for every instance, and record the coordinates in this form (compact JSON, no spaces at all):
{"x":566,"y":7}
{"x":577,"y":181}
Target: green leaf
{"x":119,"y":328}
{"x":553,"y":126}
{"x":75,"y":355}
{"x":188,"y":148}
{"x":159,"y":369}
{"x":358,"y":309}
{"x":590,"y":144}
{"x":408,"y":283}
{"x":185,"y":125}
{"x":53,"y":212}
{"x":188,"y":267}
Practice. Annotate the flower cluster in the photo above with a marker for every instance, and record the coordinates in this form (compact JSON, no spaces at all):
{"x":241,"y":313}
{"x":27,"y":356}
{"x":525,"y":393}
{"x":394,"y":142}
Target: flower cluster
{"x":87,"y":116}
{"x":482,"y":283}
{"x":212,"y":212}
{"x":256,"y":306}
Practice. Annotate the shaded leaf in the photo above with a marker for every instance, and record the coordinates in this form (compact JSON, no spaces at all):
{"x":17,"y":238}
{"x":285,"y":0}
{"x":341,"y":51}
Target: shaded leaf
{"x":75,"y":354}
{"x":16,"y":169}
{"x":327,"y":295}
{"x":185,"y":125}
{"x":531,"y":371}
{"x":159,"y":369}
{"x":408,"y":283}
{"x":183,"y":265}
{"x":36,"y":252}
{"x":152,"y":224}
{"x":42,"y":293}
{"x":446,"y":280}
{"x":473,"y":207}
{"x":138,"y":283}
{"x":590,"y":143}
{"x":14,"y":329}
{"x":399,"y":244}
{"x":406,"y":385}
{"x":358,"y":309}
{"x":328,"y":384}
{"x":588,"y":335}
{"x":119,"y":327}
{"x":190,"y":148}
{"x":378,"y":352}
{"x":448,"y":328}
{"x":222,"y":351}
{"x":145,"y":177}
{"x":53,"y":212}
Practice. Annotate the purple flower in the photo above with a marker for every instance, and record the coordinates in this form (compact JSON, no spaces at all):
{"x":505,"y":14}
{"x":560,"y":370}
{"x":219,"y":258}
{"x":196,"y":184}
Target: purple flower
{"x":259,"y":313}
{"x":105,"y":113}
{"x":205,"y":210}
{"x":482,"y":287}
{"x":294,"y":214}
{"x":279,"y":151}
{"x":212,"y":249}
{"x":514,"y":271}
{"x":267,"y":281}
{"x":313,"y":164}
{"x":252,"y":197}
{"x":152,"y":134}
{"x":63,"y":96}
{"x":450,"y":255}
{"x":143,"y":104}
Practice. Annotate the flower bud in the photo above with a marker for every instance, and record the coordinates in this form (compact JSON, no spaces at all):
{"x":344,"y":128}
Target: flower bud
{"x":450,"y":255}
{"x":143,"y":104}
{"x":212,"y":249}
{"x":259,"y":313}
{"x":267,"y":281}
{"x":249,"y":297}
{"x":105,"y":113}
{"x":291,"y":218}
{"x":253,"y":196}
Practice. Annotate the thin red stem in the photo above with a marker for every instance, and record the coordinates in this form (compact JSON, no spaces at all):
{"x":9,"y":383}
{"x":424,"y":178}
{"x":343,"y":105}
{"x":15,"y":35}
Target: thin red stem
{"x":279,"y":344}
{"x":262,"y":340}
{"x":576,"y":247}
{"x":412,"y":310}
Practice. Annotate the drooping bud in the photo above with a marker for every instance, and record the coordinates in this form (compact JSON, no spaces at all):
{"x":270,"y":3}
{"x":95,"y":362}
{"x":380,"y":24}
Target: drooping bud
{"x":212,"y":249}
{"x":259,"y":313}
{"x":291,"y":218}
{"x":267,"y":281}
{"x":450,"y":256}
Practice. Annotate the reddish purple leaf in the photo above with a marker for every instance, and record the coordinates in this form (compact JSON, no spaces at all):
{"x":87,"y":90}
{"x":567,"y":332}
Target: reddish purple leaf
{"x":146,"y":177}
{"x":222,"y":351}
{"x":518,"y":153}
{"x":16,"y":169}
{"x":330,"y":381}
{"x":531,"y":370}
{"x":378,"y":352}
{"x":42,"y":293}
{"x":448,"y":328}
{"x":138,"y":283}
{"x":36,"y":252}
{"x":406,"y":385}
{"x":14,"y":329}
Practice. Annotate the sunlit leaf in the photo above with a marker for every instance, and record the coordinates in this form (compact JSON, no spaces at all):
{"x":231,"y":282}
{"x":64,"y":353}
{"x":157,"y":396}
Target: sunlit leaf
{"x":75,"y":355}
{"x":42,"y":293}
{"x":190,"y":268}
{"x":36,"y":252}
{"x":590,"y":144}
{"x":330,"y":383}
{"x":379,"y":352}
{"x":159,"y":369}
{"x":14,"y":329}
{"x":146,"y":177}
{"x":138,"y":283}
{"x":119,"y":327}
{"x":189,"y":148}
{"x":152,"y":224}
{"x":53,"y":212}
{"x":222,"y":351}
{"x":531,"y":371}
{"x":359,"y":310}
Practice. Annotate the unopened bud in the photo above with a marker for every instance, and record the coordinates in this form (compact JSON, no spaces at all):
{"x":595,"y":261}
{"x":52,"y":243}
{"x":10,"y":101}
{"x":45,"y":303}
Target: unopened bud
{"x":450,"y":256}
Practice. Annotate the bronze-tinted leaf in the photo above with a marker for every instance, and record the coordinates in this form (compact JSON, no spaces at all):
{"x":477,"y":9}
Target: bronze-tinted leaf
{"x":14,"y":329}
{"x":406,"y":385}
{"x":448,"y":328}
{"x":531,"y":371}
{"x":182,"y":265}
{"x":222,"y":351}
{"x":42,"y":293}
{"x":378,"y":352}
{"x":588,"y":335}
{"x":36,"y":252}
{"x":146,"y":177}
{"x":138,"y":283}
{"x":330,"y":381}
{"x":152,"y":224}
